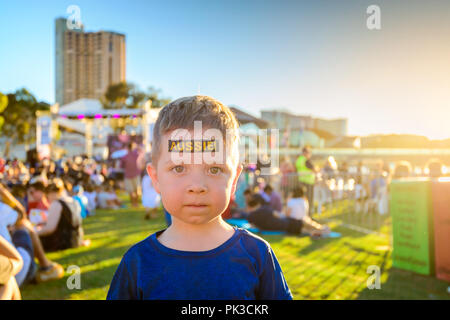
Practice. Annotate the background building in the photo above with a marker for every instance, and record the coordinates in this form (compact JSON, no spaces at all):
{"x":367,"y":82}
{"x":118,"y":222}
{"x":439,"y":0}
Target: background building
{"x":86,"y":63}
{"x":284,"y":120}
{"x":300,"y":130}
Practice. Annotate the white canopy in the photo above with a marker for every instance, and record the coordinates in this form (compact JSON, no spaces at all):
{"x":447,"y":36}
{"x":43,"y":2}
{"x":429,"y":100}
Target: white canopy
{"x":89,"y":108}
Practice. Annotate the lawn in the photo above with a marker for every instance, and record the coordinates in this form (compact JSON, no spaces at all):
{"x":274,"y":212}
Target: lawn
{"x":314,"y":269}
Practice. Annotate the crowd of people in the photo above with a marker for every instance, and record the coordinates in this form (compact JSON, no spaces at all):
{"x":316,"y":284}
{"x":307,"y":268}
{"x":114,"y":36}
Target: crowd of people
{"x":43,"y":204}
{"x":42,"y":207}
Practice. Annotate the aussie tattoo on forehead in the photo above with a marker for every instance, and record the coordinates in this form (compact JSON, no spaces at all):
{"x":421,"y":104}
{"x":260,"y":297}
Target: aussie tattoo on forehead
{"x":193,"y":145}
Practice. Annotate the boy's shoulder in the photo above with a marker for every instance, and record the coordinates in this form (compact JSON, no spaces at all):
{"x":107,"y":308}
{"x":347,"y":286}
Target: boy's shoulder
{"x":253,"y":242}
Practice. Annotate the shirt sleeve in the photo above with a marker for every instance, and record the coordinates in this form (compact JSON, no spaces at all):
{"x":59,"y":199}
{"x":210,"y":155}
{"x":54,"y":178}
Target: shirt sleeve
{"x":123,"y":284}
{"x":273,"y":285}
{"x":309,"y":164}
{"x":8,"y":216}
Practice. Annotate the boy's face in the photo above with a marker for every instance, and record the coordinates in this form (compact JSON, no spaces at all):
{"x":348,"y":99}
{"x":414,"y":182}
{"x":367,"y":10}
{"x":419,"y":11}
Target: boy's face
{"x":193,"y":191}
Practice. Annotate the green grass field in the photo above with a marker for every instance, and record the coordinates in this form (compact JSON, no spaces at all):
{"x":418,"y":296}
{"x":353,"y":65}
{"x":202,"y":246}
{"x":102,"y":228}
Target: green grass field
{"x":314,"y":269}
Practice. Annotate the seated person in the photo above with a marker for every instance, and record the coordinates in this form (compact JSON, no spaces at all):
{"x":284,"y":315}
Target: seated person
{"x":77,"y":194}
{"x":10,"y":264}
{"x":63,"y":229}
{"x":91,"y":194}
{"x":19,"y":191}
{"x":274,"y":198}
{"x":107,"y":198}
{"x":37,"y":203}
{"x":297,"y":206}
{"x":265,"y":218}
{"x":23,"y":236}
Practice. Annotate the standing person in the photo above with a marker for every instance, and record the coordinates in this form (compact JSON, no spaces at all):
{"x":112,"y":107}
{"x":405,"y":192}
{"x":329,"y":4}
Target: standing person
{"x":131,"y":173}
{"x":287,"y":170}
{"x":150,"y":198}
{"x":307,"y":175}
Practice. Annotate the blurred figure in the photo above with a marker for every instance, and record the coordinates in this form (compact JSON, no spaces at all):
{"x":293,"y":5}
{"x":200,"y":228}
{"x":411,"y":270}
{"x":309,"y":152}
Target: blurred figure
{"x":287,"y":170}
{"x":297,"y":207}
{"x":91,"y":194}
{"x":78,"y":196}
{"x":402,"y":169}
{"x":10,"y":264}
{"x":274,"y":198}
{"x":307,"y":175}
{"x":150,"y":198}
{"x":360,"y":196}
{"x":434,"y":167}
{"x":63,"y":229}
{"x":107,"y":198}
{"x":131,"y":173}
{"x":25,"y":238}
{"x":378,"y":190}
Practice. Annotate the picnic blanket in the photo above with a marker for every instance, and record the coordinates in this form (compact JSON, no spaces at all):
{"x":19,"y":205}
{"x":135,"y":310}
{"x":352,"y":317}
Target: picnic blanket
{"x":244,"y":224}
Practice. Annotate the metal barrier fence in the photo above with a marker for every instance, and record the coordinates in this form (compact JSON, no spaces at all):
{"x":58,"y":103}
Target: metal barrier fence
{"x":358,"y":202}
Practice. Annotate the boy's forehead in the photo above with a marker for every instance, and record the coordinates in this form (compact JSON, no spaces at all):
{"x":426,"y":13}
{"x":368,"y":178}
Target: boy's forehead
{"x":187,"y":148}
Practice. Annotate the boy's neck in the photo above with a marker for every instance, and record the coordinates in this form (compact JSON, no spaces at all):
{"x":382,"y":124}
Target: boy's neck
{"x":182,"y":228}
{"x":192,"y":237}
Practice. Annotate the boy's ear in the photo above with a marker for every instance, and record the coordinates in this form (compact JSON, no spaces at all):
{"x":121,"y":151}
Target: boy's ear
{"x":151,"y":170}
{"x":238,"y":173}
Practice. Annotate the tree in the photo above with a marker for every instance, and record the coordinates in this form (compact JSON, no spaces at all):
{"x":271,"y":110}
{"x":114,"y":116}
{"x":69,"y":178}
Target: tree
{"x":116,"y":95}
{"x":129,"y":95}
{"x":3,"y":105}
{"x":157,"y":102}
{"x":19,"y":116}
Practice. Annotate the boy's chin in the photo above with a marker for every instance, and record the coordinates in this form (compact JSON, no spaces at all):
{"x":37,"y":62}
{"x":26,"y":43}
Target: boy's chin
{"x":195,"y":219}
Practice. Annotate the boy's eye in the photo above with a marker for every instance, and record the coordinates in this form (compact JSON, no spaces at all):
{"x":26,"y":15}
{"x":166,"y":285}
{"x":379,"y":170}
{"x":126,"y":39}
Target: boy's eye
{"x":178,"y":169}
{"x":215,"y":170}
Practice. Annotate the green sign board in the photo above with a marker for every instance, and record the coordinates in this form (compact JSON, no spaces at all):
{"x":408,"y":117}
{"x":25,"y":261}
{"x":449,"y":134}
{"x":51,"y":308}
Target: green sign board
{"x":411,"y":211}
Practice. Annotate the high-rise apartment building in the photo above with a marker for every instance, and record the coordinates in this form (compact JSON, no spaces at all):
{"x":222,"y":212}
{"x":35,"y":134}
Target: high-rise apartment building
{"x":86,"y":63}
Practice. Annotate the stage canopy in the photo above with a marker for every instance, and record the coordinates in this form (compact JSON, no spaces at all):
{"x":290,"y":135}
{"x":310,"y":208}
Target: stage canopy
{"x":93,"y":109}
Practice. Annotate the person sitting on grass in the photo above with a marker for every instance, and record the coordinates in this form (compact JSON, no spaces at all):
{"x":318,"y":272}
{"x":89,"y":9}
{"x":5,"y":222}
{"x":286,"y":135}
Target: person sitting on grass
{"x":199,"y":256}
{"x":274,"y":197}
{"x":297,"y":206}
{"x":36,"y":197}
{"x":264,"y":217}
{"x":24,"y":237}
{"x":107,"y":198}
{"x":63,"y":229}
{"x":91,"y":195}
{"x":10,"y":264}
{"x":78,"y":196}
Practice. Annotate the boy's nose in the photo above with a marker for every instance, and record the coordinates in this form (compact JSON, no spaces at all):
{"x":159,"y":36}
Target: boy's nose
{"x":197,"y":183}
{"x":197,"y":188}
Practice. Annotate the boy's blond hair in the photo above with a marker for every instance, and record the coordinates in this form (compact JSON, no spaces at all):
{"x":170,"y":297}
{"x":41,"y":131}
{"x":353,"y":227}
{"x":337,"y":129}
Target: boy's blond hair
{"x":181,"y":114}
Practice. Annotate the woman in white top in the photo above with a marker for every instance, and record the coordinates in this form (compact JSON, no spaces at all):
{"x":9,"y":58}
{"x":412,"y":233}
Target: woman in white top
{"x":297,"y":207}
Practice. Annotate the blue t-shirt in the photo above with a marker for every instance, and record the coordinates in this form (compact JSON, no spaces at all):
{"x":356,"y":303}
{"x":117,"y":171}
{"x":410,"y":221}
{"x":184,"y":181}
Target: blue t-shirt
{"x":242,"y":268}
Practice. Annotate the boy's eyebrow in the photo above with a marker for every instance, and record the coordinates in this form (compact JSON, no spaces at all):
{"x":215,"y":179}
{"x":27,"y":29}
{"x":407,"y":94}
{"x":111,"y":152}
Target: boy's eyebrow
{"x":214,"y":163}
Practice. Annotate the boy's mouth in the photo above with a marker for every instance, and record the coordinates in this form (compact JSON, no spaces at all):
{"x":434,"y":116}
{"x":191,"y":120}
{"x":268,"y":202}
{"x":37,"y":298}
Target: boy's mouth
{"x":196,"y":205}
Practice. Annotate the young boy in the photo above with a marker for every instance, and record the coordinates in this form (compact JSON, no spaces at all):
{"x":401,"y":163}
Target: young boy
{"x":199,"y":256}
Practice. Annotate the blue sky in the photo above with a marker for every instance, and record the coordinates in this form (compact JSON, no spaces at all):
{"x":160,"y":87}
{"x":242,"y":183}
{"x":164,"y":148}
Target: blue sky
{"x":309,"y":57}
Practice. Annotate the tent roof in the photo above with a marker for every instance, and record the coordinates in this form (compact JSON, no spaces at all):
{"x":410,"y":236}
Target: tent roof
{"x":89,"y":108}
{"x":244,"y":118}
